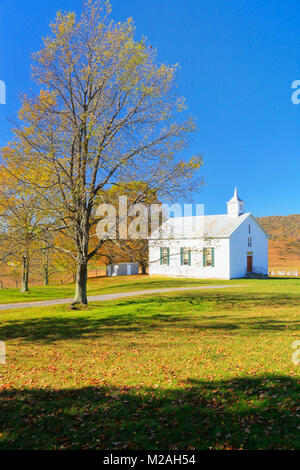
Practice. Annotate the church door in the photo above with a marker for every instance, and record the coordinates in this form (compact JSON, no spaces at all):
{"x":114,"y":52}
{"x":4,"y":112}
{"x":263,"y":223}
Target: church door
{"x":249,"y":264}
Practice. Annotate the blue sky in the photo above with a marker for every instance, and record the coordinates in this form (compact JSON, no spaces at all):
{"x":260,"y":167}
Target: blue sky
{"x":238,"y":60}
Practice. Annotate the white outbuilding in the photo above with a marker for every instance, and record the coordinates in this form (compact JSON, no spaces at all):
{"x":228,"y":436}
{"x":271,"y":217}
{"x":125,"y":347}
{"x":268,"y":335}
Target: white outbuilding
{"x":122,"y":269}
{"x":225,"y":246}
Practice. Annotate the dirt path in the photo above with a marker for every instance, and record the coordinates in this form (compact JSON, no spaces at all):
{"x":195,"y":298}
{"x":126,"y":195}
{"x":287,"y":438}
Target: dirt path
{"x":99,"y":298}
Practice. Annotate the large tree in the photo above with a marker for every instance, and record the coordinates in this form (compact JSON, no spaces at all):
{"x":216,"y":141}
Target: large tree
{"x":106,"y":114}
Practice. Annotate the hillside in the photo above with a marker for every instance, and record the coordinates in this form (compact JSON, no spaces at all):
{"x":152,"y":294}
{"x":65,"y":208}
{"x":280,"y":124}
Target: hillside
{"x":284,"y":243}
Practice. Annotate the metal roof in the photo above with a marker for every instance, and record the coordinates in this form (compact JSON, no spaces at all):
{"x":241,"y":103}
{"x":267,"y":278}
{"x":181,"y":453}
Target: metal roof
{"x":222,"y":226}
{"x":206,"y":226}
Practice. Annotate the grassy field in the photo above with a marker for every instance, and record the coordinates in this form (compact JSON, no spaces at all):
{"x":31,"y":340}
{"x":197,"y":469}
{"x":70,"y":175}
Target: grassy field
{"x":193,"y":370}
{"x":104,"y":285}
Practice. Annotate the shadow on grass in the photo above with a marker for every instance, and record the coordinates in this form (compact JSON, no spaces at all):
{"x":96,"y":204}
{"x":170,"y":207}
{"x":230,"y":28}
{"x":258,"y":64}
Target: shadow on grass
{"x":228,"y":300}
{"x":48,"y":330}
{"x":250,"y":413}
{"x":185,"y":311}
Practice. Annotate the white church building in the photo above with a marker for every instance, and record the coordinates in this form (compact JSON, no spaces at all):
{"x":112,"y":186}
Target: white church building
{"x":224,"y":246}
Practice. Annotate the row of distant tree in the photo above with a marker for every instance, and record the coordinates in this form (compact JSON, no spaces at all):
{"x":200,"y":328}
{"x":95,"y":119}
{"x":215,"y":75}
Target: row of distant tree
{"x":106,"y":121}
{"x":28,"y":245}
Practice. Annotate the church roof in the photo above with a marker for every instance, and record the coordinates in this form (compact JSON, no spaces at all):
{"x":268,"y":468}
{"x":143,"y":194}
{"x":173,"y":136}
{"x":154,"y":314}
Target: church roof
{"x":206,"y":226}
{"x":222,"y":226}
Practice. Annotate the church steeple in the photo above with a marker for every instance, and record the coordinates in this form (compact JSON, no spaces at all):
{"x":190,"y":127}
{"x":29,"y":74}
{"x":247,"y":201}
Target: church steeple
{"x":235,"y":206}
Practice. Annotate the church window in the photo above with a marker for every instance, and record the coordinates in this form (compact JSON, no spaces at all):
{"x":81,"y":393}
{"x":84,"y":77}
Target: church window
{"x":209,"y":257}
{"x":185,"y":256}
{"x":164,"y":255}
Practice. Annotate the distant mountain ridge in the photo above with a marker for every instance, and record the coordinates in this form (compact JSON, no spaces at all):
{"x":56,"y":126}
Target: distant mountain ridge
{"x":282,"y":227}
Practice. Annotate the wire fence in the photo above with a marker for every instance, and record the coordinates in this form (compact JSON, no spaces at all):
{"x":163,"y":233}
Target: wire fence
{"x":60,"y":277}
{"x":284,"y":272}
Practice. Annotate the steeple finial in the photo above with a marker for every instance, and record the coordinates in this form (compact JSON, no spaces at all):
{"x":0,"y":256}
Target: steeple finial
{"x":235,"y":206}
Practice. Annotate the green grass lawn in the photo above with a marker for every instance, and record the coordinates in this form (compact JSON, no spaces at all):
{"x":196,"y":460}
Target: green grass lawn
{"x":193,"y":370}
{"x":104,"y":285}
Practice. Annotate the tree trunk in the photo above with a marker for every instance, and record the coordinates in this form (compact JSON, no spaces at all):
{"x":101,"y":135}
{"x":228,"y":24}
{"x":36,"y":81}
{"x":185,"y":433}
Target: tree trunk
{"x":81,"y":282}
{"x":144,"y":269}
{"x":46,"y":275}
{"x":82,"y":242}
{"x":46,"y":266}
{"x":25,"y":274}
